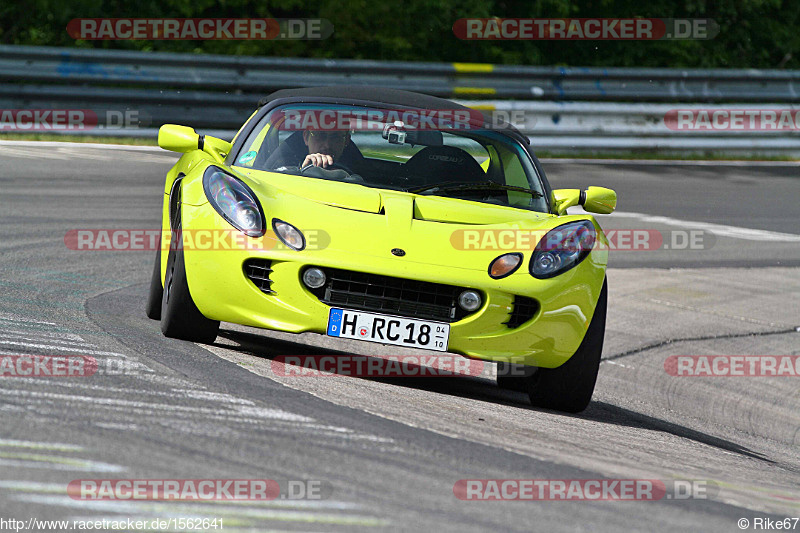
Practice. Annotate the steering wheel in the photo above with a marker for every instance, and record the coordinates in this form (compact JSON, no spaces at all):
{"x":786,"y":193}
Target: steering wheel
{"x":334,"y":166}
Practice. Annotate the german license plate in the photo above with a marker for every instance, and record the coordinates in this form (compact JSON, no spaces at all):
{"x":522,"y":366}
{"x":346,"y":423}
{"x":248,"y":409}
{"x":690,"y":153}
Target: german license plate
{"x":386,"y":329}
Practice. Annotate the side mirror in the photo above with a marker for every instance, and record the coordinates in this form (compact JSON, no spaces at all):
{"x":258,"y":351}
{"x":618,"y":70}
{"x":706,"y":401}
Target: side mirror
{"x":178,"y":138}
{"x":594,"y":200}
{"x":599,"y":200}
{"x":184,"y":139}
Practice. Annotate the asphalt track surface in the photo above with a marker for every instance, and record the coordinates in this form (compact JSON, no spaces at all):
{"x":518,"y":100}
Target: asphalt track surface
{"x":387,"y":453}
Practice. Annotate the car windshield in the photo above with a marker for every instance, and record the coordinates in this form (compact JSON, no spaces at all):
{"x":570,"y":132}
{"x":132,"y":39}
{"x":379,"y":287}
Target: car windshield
{"x":449,"y":153}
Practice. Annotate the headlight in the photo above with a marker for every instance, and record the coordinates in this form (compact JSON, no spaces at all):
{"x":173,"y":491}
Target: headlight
{"x":505,"y":265}
{"x":562,"y":248}
{"x":234,"y":201}
{"x":291,"y":236}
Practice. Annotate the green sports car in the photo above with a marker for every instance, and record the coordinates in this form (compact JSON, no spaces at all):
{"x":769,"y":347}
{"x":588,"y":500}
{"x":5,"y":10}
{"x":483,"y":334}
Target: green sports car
{"x":389,"y":217}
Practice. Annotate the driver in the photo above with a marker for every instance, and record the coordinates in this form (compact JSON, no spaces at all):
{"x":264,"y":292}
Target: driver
{"x":324,"y":147}
{"x":318,"y":148}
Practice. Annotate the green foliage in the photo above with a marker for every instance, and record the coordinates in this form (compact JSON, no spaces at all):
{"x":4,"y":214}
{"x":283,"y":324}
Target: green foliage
{"x":753,"y":33}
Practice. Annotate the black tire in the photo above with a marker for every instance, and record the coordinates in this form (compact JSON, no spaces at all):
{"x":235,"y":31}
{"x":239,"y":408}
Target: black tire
{"x":569,"y":387}
{"x":180,"y":318}
{"x":514,"y":376}
{"x":156,"y":291}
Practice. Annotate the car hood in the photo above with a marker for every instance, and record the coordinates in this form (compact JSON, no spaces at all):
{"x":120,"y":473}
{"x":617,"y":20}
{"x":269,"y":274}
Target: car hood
{"x":371,"y":200}
{"x":433,"y":230}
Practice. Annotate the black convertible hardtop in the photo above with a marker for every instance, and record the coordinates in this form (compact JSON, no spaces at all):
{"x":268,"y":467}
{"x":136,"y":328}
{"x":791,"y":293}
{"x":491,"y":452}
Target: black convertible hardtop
{"x":348,"y":94}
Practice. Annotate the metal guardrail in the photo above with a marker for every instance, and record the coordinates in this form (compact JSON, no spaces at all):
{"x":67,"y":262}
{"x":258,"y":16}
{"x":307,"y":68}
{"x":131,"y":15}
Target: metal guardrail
{"x":609,"y":127}
{"x":564,"y":109}
{"x":452,"y":80}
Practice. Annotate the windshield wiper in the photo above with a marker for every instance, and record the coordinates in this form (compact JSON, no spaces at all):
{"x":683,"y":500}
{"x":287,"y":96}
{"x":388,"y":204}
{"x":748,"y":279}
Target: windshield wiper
{"x":474,"y":186}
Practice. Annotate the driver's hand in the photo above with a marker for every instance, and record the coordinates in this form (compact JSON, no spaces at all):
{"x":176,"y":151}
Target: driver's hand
{"x":318,"y":160}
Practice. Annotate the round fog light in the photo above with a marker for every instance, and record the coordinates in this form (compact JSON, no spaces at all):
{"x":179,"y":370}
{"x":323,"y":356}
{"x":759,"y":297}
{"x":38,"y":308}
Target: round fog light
{"x":469,"y":301}
{"x":314,"y":278}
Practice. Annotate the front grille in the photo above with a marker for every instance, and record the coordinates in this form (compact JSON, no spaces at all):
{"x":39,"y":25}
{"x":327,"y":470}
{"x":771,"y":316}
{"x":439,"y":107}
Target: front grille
{"x":258,"y":271}
{"x":396,"y":296}
{"x":524,"y":309}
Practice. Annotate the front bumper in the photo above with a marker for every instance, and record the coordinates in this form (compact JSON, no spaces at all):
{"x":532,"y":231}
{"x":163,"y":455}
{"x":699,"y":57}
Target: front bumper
{"x":222,"y":291}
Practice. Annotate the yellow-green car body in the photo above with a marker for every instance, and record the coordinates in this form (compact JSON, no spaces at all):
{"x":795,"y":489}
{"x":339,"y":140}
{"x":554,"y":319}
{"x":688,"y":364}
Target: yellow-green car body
{"x":423,"y":239}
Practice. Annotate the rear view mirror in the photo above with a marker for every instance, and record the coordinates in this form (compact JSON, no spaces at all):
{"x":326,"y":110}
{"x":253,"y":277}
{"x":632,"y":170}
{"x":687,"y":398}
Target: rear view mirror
{"x":424,"y":138}
{"x":398,"y":134}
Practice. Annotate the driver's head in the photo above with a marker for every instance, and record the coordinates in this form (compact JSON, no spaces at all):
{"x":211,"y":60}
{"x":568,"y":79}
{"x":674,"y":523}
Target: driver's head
{"x":331,"y":143}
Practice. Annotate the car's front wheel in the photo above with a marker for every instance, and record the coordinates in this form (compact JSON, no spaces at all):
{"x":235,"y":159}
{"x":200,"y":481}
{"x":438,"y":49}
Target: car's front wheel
{"x":514,"y":376}
{"x":570,"y":387}
{"x":180,"y":318}
{"x":156,"y":293}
